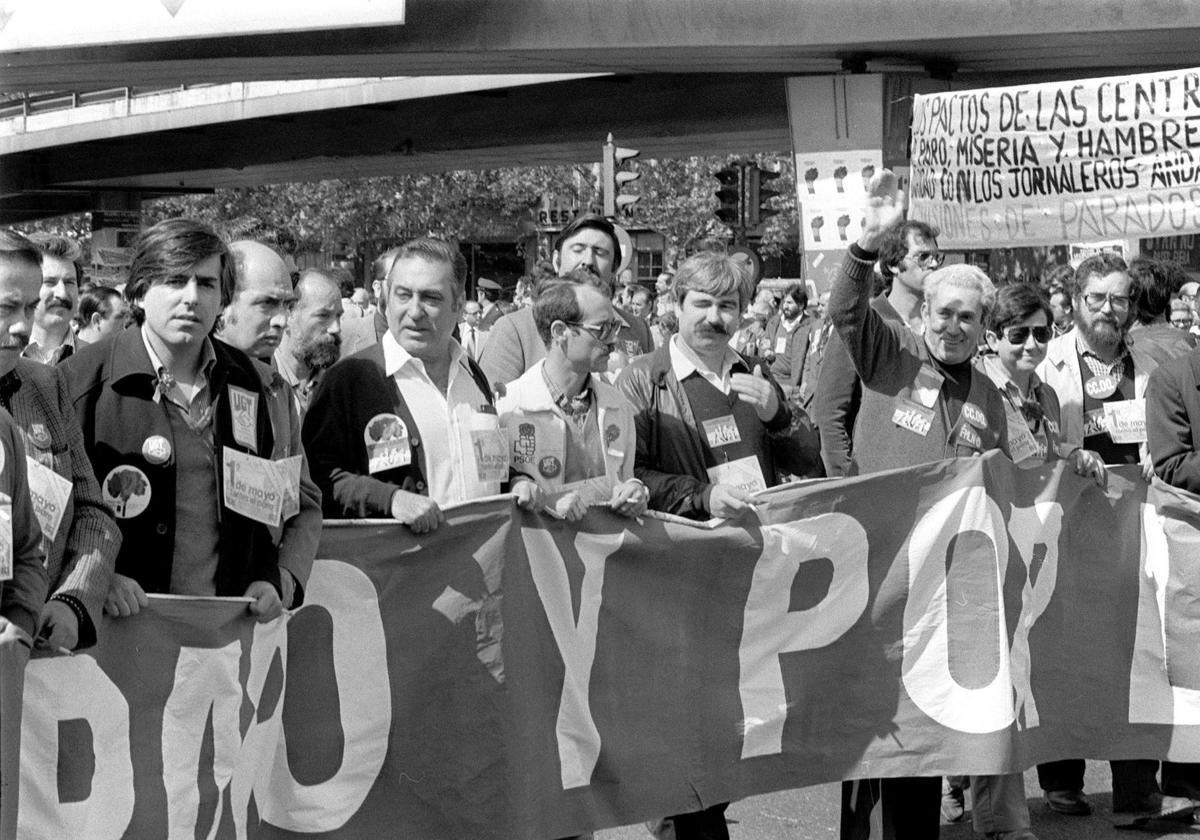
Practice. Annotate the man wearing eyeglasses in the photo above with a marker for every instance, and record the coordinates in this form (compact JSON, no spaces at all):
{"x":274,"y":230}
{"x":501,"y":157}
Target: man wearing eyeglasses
{"x":1101,"y":381}
{"x":907,"y":255}
{"x":254,"y":322}
{"x":568,"y":429}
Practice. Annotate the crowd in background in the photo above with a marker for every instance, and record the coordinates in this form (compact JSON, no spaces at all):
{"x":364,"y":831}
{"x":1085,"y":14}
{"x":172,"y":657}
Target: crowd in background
{"x":579,"y":389}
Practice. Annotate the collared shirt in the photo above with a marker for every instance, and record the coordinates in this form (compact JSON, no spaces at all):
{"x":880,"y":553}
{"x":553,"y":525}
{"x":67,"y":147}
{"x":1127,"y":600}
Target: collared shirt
{"x":196,"y":406}
{"x":1011,"y":392}
{"x":584,"y":451}
{"x":788,"y":328}
{"x":1098,"y":366}
{"x":53,"y":355}
{"x":574,"y":408}
{"x":684,"y":363}
{"x":302,"y":389}
{"x":443,"y":419}
{"x":470,"y":341}
{"x":197,"y":497}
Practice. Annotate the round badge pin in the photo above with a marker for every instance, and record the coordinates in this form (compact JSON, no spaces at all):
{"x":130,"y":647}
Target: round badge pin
{"x":1101,"y":387}
{"x":611,"y":433}
{"x":549,"y":466}
{"x":156,"y":449}
{"x":383,"y":428}
{"x":39,"y":435}
{"x":126,"y":491}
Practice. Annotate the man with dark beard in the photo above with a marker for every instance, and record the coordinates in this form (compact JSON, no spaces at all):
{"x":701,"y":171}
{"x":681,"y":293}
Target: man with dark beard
{"x":312,"y":340}
{"x":1100,"y":378}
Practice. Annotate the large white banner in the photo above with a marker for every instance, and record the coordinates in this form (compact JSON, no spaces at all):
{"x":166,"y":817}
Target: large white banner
{"x":1075,"y":161}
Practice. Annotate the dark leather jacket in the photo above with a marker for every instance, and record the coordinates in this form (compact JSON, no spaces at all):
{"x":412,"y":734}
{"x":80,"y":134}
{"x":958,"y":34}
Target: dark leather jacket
{"x":670,"y":449}
{"x":112,"y":385}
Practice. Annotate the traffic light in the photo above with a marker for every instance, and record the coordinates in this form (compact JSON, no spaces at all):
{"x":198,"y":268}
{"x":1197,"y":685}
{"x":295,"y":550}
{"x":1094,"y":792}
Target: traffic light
{"x":758,"y":195}
{"x":729,"y":196}
{"x":616,"y":178}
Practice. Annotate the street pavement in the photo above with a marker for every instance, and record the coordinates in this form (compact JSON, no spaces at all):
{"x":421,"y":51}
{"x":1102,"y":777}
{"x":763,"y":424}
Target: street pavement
{"x":812,"y":814}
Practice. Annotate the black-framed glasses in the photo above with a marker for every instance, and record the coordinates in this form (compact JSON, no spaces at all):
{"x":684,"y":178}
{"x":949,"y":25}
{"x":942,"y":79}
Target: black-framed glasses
{"x":606,"y":332}
{"x":1019,"y":335}
{"x":927,"y":259}
{"x":1096,"y":301}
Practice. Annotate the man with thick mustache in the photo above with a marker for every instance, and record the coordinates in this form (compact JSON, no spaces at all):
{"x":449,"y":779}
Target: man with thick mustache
{"x":1099,"y":377}
{"x":51,"y":339}
{"x":712,"y":428}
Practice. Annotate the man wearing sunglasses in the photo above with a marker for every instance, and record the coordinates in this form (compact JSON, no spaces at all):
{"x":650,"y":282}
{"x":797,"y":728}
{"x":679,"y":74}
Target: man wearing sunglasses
{"x":1100,"y":378}
{"x":568,"y":429}
{"x":907,"y":255}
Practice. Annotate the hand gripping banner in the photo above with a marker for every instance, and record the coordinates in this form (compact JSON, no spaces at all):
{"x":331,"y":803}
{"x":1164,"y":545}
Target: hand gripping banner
{"x":511,"y":675}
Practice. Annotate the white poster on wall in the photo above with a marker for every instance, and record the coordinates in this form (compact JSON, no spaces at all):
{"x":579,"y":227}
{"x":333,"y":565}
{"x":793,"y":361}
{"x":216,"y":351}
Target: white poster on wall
{"x":831,"y":189}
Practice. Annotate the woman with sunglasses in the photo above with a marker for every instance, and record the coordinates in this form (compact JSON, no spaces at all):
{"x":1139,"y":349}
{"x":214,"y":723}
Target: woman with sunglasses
{"x":1018,"y":330}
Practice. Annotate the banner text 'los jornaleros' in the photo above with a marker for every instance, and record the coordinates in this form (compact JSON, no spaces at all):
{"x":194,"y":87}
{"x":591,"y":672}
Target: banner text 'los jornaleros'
{"x":1074,"y":161}
{"x":512,"y":676}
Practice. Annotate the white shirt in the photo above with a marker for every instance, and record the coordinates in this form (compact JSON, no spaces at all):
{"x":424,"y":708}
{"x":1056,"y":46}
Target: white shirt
{"x":444,"y":421}
{"x":684,"y":363}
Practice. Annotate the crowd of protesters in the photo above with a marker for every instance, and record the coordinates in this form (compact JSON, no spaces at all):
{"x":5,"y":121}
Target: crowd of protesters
{"x":134,"y":422}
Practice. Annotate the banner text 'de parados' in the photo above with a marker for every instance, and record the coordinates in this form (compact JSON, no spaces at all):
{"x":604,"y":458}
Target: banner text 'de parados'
{"x":1059,"y":162}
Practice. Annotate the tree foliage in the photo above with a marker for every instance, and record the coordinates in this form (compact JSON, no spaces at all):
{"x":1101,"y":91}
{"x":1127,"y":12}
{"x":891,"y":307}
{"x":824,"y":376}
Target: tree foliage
{"x":338,"y":215}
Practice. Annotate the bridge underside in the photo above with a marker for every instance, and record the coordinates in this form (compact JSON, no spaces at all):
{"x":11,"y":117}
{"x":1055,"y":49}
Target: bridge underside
{"x":690,"y":77}
{"x":564,"y":122}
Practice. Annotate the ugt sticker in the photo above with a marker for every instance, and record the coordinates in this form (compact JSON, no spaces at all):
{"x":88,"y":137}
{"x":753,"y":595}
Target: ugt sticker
{"x":243,"y":408}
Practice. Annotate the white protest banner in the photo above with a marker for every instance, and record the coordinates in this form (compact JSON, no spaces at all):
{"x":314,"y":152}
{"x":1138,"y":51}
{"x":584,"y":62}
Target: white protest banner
{"x":1075,"y":161}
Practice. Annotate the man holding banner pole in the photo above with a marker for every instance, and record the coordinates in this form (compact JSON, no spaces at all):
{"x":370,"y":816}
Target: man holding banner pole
{"x":254,"y":322}
{"x":80,"y":537}
{"x":176,"y":427}
{"x":1100,"y":378}
{"x":922,"y":401}
{"x":712,"y":428}
{"x":408,"y":425}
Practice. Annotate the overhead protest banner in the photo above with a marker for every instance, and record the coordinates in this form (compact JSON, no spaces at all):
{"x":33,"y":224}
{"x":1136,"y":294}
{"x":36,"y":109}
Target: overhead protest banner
{"x":509,"y":676}
{"x":1075,"y":161}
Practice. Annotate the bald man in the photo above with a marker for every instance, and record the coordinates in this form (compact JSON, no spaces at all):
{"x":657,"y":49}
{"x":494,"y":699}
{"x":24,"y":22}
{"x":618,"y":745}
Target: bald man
{"x":312,"y":340}
{"x":254,"y":322}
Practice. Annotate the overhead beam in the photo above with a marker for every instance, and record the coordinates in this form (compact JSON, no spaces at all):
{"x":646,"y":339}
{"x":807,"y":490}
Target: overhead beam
{"x":447,"y":37}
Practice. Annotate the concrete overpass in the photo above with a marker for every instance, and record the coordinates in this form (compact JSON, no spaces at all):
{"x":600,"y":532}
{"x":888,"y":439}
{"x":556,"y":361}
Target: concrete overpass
{"x":668,"y":77}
